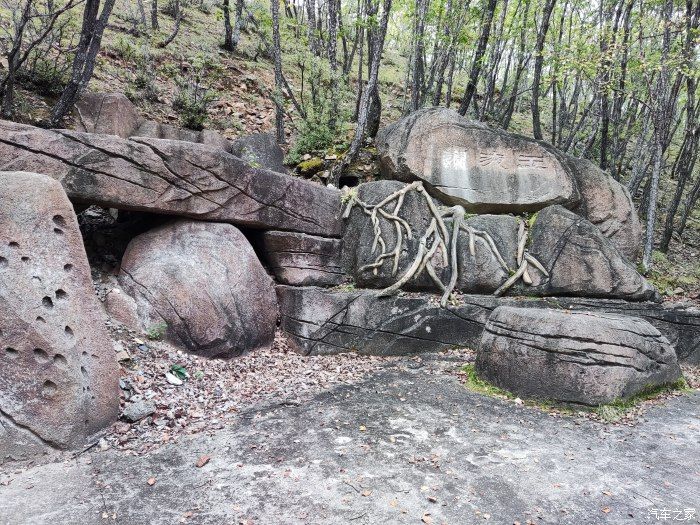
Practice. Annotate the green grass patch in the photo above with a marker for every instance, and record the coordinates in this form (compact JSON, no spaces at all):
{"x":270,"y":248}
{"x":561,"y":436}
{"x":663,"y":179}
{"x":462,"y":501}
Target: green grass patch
{"x":610,"y":412}
{"x":613,"y":412}
{"x":480,"y":386}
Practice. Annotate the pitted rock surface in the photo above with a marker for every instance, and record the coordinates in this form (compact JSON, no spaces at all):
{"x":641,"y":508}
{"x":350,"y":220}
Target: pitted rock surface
{"x":205,"y":282}
{"x":171,"y":177}
{"x":59,"y":378}
{"x":574,"y":357}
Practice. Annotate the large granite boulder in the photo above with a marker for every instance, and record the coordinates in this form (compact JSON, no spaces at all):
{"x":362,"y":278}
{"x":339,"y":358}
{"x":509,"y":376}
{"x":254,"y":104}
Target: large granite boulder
{"x":360,"y":250}
{"x":328,"y":320}
{"x":607,"y":204}
{"x":573,"y":357}
{"x":465,"y":162}
{"x":580,"y":260}
{"x":171,"y":177}
{"x":158,"y":130}
{"x":260,"y":150}
{"x":481,"y":271}
{"x":59,"y":380}
{"x":302,"y":260}
{"x":204,"y":281}
{"x":491,"y":171}
{"x":107,"y":113}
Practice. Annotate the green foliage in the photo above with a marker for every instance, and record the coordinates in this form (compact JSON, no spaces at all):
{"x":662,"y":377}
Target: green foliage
{"x":476,"y":384}
{"x":192,"y":99}
{"x":613,"y":412}
{"x":145,"y":78}
{"x":155,"y":332}
{"x":45,"y":76}
{"x":313,"y":134}
{"x":345,"y":287}
{"x":180,"y":372}
{"x":668,"y":277}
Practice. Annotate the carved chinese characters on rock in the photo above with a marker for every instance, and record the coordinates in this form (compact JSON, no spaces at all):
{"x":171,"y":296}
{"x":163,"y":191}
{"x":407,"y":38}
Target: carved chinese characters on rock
{"x":486,"y":172}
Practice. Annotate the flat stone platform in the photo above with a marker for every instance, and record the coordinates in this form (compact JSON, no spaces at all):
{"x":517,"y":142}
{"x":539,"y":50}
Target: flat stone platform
{"x":408,"y":445}
{"x":330,"y":321}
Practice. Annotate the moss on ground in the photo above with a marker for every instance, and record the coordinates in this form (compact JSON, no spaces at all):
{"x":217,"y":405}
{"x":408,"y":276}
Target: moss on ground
{"x":609,"y":412}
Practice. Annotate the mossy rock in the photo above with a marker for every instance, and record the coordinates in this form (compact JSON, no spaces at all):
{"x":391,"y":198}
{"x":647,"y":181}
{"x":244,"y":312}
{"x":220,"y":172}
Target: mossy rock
{"x":311,"y":166}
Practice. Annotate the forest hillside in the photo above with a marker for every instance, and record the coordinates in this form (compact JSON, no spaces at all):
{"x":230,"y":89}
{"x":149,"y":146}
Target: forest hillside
{"x":614,"y":82}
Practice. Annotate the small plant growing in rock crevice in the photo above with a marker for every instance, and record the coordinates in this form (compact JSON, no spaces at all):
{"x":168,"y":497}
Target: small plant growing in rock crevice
{"x":155,"y":332}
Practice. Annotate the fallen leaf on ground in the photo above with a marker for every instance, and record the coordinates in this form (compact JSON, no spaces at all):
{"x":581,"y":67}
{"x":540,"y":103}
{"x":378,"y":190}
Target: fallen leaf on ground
{"x":203,"y":461}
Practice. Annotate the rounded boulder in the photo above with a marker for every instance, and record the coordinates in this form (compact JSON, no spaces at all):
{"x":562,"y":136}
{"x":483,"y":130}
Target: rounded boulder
{"x":203,"y":284}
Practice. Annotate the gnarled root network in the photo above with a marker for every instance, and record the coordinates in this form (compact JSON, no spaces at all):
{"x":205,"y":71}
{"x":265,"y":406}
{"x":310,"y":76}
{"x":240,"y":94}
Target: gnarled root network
{"x":436,"y":237}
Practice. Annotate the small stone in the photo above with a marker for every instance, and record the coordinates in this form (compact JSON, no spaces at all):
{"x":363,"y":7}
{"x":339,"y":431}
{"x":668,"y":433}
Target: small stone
{"x":123,"y":356}
{"x":172,"y":379}
{"x":136,"y":410}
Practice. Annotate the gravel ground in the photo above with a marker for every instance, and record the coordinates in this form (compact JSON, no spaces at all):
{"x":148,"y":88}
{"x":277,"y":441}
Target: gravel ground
{"x":217,"y":390}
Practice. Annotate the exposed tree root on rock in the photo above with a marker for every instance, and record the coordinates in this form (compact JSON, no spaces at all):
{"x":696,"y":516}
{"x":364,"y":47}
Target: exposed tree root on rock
{"x":436,"y":237}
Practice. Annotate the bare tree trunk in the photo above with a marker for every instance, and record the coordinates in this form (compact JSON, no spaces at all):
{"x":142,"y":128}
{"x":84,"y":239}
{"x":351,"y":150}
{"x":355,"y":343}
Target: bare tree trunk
{"x":418,"y":66}
{"x":539,"y":59}
{"x":366,"y":102}
{"x":277,"y":58}
{"x":333,"y":16}
{"x":94,"y":23}
{"x":486,"y":22}
{"x":176,"y":29}
{"x":228,"y":29}
{"x":154,"y":14}
{"x":238,"y":24}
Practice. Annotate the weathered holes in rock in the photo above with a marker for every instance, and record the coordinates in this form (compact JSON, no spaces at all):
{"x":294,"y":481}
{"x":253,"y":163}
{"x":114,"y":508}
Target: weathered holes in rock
{"x":59,"y":220}
{"x":40,"y":355}
{"x":47,"y":302}
{"x":25,"y":259}
{"x":4,"y":263}
{"x":69,"y":332}
{"x":11,"y":352}
{"x":36,"y":280}
{"x":60,"y":361}
{"x":58,"y":231}
{"x":84,"y":372}
{"x":13,"y":244}
{"x":67,"y":267}
{"x":61,"y":294}
{"x":40,"y":319}
{"x":48,"y":389}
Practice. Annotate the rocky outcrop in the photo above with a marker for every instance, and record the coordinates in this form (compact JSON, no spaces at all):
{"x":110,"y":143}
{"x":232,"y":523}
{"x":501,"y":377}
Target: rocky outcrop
{"x":204,"y":281}
{"x":466,"y":163}
{"x":361,"y":252}
{"x":107,"y":113}
{"x":490,"y":171}
{"x":115,"y":114}
{"x":302,"y":260}
{"x":157,"y":130}
{"x":319,"y":320}
{"x":171,"y":177}
{"x":59,"y":380}
{"x":325,"y":321}
{"x":260,"y":150}
{"x":573,"y":357}
{"x":607,"y":204}
{"x":580,"y":260}
{"x":577,"y":258}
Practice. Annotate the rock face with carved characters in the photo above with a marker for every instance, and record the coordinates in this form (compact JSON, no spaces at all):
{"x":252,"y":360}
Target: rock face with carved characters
{"x":59,"y":380}
{"x":467,"y":163}
{"x":491,"y":171}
